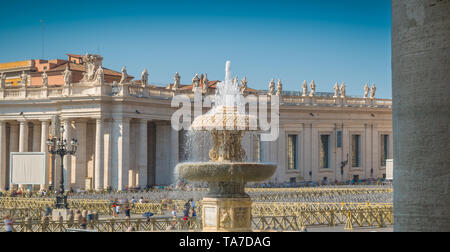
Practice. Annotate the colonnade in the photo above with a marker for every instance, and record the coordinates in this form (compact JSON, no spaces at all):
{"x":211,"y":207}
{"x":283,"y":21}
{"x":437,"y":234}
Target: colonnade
{"x":115,"y":153}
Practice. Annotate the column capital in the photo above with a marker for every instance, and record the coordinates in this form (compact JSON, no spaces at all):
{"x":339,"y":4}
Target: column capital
{"x":162,"y":123}
{"x":122,"y":119}
{"x":64,"y":120}
{"x":81,"y":120}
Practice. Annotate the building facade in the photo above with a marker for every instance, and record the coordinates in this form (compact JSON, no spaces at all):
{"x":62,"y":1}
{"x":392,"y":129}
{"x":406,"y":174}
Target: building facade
{"x":126,"y":138}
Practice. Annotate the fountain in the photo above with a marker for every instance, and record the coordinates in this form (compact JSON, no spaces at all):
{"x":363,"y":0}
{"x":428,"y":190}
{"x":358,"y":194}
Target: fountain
{"x":226,"y":207}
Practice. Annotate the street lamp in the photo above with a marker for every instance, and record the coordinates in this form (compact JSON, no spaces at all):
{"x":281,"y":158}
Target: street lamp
{"x":60,"y":146}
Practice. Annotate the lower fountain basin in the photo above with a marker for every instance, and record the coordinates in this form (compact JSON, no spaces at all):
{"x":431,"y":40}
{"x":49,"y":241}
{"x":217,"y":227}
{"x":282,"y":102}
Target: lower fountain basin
{"x":226,"y":179}
{"x":226,"y":171}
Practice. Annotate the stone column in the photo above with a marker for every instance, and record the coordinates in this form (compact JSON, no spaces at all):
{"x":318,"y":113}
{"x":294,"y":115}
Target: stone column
{"x":121,"y":154}
{"x":164,"y":174}
{"x":81,"y":162}
{"x":36,"y":137}
{"x":151,"y":154}
{"x":3,"y":169}
{"x":44,"y":148}
{"x":142,"y":149}
{"x":23,"y":139}
{"x":307,"y":162}
{"x":174,"y":151}
{"x":421,"y":77}
{"x":13,"y":140}
{"x":368,"y":146}
{"x":14,"y":137}
{"x":107,"y":165}
{"x":99,"y":159}
{"x":67,"y":158}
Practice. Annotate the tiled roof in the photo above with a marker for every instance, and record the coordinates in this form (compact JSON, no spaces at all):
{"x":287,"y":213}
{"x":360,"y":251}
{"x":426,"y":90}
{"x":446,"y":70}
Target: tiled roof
{"x":75,"y":55}
{"x":81,"y":68}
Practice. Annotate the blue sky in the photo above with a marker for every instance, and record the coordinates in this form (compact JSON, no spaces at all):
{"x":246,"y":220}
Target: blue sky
{"x":322,"y":40}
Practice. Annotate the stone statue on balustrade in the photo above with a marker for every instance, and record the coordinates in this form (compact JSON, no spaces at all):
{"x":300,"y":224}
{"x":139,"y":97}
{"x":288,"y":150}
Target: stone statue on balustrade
{"x":366,"y":91}
{"x":313,"y":89}
{"x":67,"y":76}
{"x":116,"y":89}
{"x":271,"y":87}
{"x":176,"y":83}
{"x":343,"y":90}
{"x":44,"y":79}
{"x":336,"y":90}
{"x":305,"y":89}
{"x":144,"y":77}
{"x":373,"y":92}
{"x":100,"y":76}
{"x":205,"y":86}
{"x":23,"y":79}
{"x":92,"y":64}
{"x":124,"y":75}
{"x":244,"y":85}
{"x":2,"y":80}
{"x":195,"y":82}
{"x":279,"y":88}
{"x":235,"y":81}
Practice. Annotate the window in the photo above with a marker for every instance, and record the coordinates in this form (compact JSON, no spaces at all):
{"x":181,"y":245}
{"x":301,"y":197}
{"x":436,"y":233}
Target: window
{"x":325,"y":151}
{"x":356,"y":151}
{"x":339,"y":139}
{"x":384,"y":153}
{"x":292,"y":152}
{"x":356,"y":178}
{"x":293,"y":180}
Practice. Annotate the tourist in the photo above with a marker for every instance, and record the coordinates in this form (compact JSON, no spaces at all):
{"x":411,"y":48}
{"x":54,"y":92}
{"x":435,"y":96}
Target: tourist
{"x":133,"y":200}
{"x":192,"y":204}
{"x":127,"y":210}
{"x":48,"y":211}
{"x":174,"y":216}
{"x":83,"y":223}
{"x":9,"y":222}
{"x":187,"y":206}
{"x":117,"y":209}
{"x":113,"y":206}
{"x":141,"y":200}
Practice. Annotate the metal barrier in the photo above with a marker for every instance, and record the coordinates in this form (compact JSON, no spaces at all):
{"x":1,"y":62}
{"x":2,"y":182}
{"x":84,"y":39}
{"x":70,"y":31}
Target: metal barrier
{"x":266,"y":215}
{"x":357,"y":218}
{"x":111,"y":225}
{"x":330,"y":214}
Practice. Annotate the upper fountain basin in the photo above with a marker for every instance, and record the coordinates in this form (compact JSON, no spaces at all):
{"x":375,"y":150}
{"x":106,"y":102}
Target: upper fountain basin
{"x":226,"y":171}
{"x":225,"y":118}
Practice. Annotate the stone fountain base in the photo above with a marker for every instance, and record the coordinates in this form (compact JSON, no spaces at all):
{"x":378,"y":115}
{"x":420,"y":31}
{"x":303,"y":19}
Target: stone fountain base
{"x":226,"y":208}
{"x":227,"y":214}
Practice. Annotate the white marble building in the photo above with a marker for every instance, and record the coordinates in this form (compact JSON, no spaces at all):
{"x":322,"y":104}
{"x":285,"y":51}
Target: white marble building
{"x":126,"y":139}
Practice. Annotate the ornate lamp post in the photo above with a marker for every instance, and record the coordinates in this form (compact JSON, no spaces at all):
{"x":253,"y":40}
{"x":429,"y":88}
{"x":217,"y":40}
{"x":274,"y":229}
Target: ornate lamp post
{"x":60,"y":146}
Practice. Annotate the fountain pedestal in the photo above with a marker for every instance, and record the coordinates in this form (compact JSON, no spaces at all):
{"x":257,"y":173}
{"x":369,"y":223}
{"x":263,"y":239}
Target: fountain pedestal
{"x":226,"y":214}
